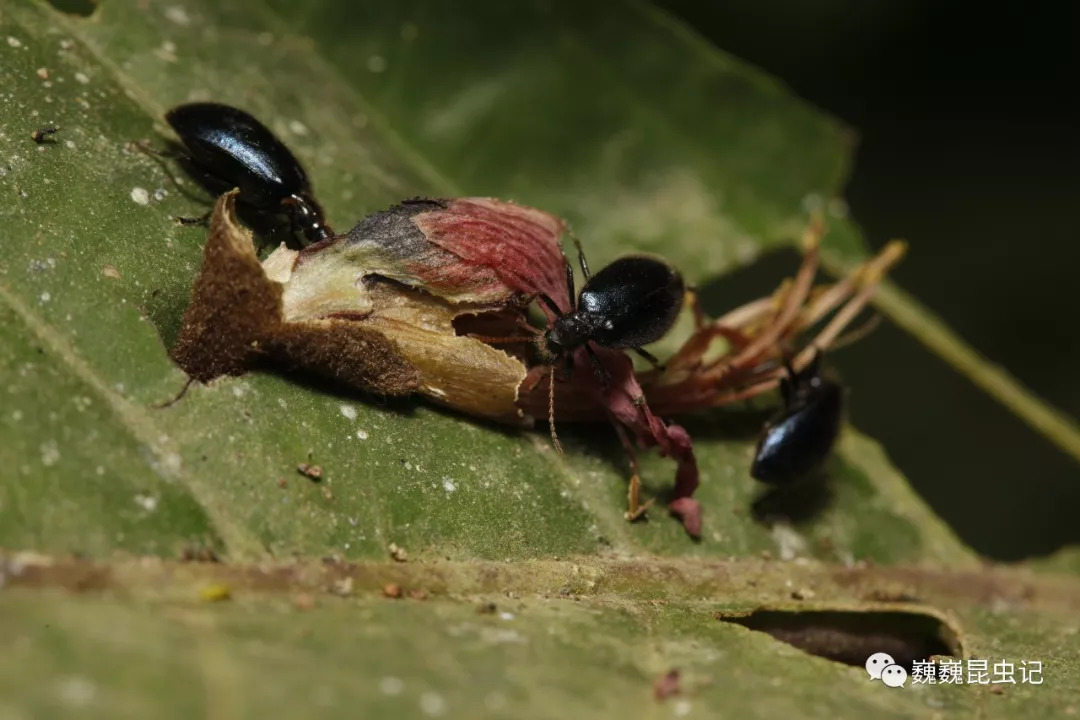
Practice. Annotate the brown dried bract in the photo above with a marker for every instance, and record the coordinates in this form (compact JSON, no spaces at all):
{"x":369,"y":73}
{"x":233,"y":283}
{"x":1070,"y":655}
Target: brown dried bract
{"x":348,"y":310}
{"x":236,"y":318}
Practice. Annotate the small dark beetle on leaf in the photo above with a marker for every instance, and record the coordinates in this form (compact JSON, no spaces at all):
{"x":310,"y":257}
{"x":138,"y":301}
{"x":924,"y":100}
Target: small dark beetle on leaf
{"x":632,"y":302}
{"x":798,"y":439}
{"x":229,"y":148}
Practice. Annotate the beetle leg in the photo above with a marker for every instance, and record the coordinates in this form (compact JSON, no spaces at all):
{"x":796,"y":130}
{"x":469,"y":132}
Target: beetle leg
{"x":650,"y":357}
{"x":159,"y":157}
{"x":598,"y":367}
{"x":202,"y":220}
{"x":146,"y":148}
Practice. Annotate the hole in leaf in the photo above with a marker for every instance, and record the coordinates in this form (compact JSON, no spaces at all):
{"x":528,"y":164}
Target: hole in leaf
{"x":82,"y":8}
{"x":852,"y":636}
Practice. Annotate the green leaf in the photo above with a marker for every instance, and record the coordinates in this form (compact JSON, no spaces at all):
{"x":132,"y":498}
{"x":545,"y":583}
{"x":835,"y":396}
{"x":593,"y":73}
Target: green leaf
{"x":624,"y":122}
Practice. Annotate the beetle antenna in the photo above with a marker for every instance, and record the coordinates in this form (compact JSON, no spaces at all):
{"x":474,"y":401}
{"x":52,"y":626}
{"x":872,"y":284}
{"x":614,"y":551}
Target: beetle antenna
{"x":551,"y":408}
{"x":546,"y":299}
{"x":581,"y":256}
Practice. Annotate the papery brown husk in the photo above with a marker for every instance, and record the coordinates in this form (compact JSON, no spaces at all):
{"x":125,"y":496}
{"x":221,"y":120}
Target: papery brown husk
{"x":391,"y":340}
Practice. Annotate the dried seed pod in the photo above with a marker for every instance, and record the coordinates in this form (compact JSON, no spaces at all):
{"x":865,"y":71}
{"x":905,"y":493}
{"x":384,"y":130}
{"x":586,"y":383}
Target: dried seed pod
{"x":321,"y":310}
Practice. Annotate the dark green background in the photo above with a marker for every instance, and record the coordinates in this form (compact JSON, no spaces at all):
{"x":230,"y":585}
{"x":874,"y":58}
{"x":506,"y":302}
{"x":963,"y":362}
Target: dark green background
{"x":968,"y":148}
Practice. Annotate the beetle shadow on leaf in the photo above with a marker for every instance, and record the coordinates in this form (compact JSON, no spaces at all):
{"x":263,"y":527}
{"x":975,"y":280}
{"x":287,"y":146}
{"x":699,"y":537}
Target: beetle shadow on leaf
{"x":322,"y":386}
{"x":503,"y":429}
{"x":164,"y":308}
{"x":738,"y":424}
{"x":797,"y":503}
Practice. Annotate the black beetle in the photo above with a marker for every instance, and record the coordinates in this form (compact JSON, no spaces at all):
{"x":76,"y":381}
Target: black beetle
{"x":799,"y":438}
{"x":229,"y":148}
{"x":632,"y":302}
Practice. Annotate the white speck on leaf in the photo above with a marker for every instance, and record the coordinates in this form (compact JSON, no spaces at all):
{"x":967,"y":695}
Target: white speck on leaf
{"x":502,"y":636}
{"x":788,"y":541}
{"x":140,"y":196}
{"x":362,"y":434}
{"x":48,"y":263}
{"x":449,"y":485}
{"x":178,"y":15}
{"x":14,"y":42}
{"x":167,"y":51}
{"x":391,"y":686}
{"x":348,"y":411}
{"x":146,"y":502}
{"x":50,"y":453}
{"x":76,"y":691}
{"x":297,"y":128}
{"x":82,"y":78}
{"x":45,"y":297}
{"x":432,"y":703}
{"x":173,"y":462}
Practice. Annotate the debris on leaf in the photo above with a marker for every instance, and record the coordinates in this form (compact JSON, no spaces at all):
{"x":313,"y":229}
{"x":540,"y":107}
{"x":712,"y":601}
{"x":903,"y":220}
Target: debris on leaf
{"x":667,"y":685}
{"x":399,"y":554}
{"x":391,"y":590}
{"x":215,"y":593}
{"x":199,"y":553}
{"x":343,"y":586}
{"x":310,"y":471}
